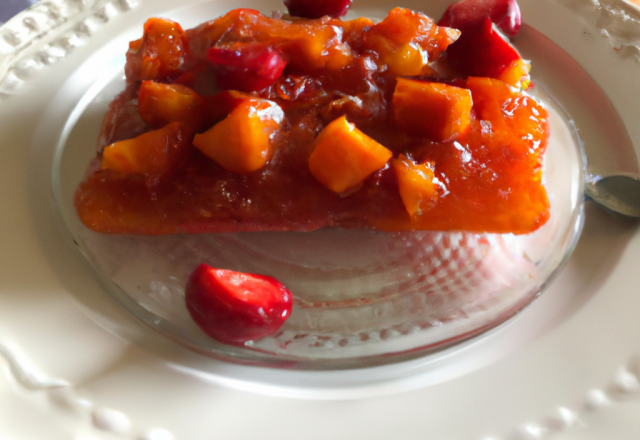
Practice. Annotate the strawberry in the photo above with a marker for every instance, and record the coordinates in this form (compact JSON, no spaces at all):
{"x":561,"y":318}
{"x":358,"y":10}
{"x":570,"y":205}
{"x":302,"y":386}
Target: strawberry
{"x":466,"y":13}
{"x":317,"y":8}
{"x":481,"y":50}
{"x":235,"y":307}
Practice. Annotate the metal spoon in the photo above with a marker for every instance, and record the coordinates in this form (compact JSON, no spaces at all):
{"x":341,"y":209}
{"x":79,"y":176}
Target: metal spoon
{"x":619,"y":194}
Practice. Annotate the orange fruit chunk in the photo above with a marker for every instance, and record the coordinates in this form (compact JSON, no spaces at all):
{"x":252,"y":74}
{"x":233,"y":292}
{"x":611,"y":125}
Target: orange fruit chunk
{"x":160,"y":54}
{"x":406,"y":41}
{"x":415,"y":182}
{"x":516,"y":74}
{"x":343,"y":156}
{"x":241,"y":142}
{"x":154,"y":154}
{"x":436,"y":111}
{"x":161,"y":104}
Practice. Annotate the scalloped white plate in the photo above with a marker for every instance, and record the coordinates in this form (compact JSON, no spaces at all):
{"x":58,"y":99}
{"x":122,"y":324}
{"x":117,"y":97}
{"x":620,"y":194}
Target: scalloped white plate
{"x":567,"y":362}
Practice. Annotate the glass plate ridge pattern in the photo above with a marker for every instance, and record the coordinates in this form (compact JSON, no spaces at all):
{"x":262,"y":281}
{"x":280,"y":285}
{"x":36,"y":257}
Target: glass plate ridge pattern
{"x":46,"y":33}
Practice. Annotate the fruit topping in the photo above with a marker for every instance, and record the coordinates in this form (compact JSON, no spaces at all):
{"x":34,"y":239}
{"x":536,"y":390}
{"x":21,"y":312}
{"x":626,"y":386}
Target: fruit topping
{"x":407,"y":41}
{"x":468,"y":13}
{"x":344,"y":156}
{"x":481,"y":50}
{"x":161,"y":104}
{"x":416,"y":184}
{"x":235,"y":307}
{"x":160,"y":54}
{"x":242,"y":141}
{"x":154,"y":154}
{"x":432,"y":110}
{"x":246,"y":67}
{"x":317,"y":8}
{"x":331,"y":124}
{"x":516,"y":74}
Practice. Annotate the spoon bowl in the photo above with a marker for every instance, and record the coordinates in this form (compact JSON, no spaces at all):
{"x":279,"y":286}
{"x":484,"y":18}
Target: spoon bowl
{"x":619,"y":194}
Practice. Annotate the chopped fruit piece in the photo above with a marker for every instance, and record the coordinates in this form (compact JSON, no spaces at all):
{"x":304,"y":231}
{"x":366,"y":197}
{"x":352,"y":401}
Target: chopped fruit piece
{"x":517,"y":74}
{"x":515,"y":119}
{"x":482,"y":51}
{"x":344,"y":156}
{"x":406,"y":41}
{"x":246,"y":67}
{"x":465,"y":13}
{"x":161,"y":104}
{"x":304,"y":44}
{"x":242,"y":141}
{"x":416,"y":185}
{"x":436,"y":111}
{"x":235,"y":307}
{"x":160,"y":54}
{"x":218,"y":106}
{"x":154,"y":154}
{"x":317,"y":8}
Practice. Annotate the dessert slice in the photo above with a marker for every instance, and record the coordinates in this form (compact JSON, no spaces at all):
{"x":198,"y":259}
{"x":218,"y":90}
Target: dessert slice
{"x":251,"y":123}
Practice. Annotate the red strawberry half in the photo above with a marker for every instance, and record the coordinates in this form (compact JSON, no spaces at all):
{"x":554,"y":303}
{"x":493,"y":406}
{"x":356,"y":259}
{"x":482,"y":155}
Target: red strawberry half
{"x":504,"y":13}
{"x":481,"y":50}
{"x":235,"y":307}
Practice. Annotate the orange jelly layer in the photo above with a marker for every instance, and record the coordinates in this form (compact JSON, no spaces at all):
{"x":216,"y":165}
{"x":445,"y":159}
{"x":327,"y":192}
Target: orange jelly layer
{"x":488,"y":179}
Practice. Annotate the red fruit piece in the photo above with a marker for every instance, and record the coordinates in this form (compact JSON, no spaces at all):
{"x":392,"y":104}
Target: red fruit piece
{"x":235,"y":307}
{"x":504,"y":13}
{"x":246,"y":67}
{"x":317,"y":8}
{"x":482,"y":51}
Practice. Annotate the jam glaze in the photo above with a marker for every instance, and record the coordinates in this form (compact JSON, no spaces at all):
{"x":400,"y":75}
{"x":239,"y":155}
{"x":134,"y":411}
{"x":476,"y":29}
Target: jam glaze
{"x":489,"y":179}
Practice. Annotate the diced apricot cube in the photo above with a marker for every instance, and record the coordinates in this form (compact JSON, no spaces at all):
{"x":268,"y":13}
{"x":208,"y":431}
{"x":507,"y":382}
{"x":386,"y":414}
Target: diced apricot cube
{"x":400,"y":59}
{"x":155,"y":153}
{"x":516,"y":74}
{"x":436,"y":111}
{"x":488,"y":95}
{"x":406,"y":41}
{"x":415,"y":182}
{"x":161,"y":104}
{"x":354,"y":29}
{"x":343,"y":156}
{"x":241,"y":142}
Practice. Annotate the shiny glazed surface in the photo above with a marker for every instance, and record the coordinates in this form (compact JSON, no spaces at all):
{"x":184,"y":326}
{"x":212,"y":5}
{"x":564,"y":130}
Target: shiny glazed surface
{"x":488,"y":179}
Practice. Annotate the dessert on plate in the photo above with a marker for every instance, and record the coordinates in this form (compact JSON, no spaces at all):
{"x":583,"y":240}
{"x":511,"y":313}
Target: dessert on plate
{"x":253,"y":123}
{"x":304,"y":121}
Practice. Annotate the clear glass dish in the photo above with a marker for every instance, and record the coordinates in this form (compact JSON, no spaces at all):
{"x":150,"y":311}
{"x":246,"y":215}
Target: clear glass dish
{"x":362,"y":298}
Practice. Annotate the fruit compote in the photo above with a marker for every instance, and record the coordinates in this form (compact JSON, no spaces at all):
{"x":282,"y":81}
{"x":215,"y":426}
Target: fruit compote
{"x":251,"y":123}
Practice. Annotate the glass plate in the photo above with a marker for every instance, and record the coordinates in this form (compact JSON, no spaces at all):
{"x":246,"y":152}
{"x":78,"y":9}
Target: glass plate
{"x":511,"y":271}
{"x":362,"y":298}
